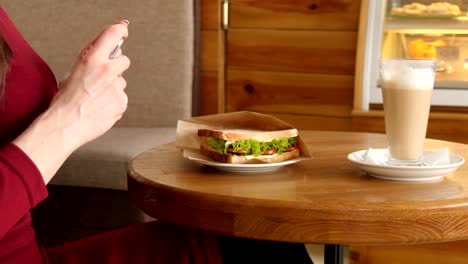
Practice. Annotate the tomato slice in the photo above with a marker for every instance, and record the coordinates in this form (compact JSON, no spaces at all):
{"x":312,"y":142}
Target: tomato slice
{"x":270,"y":151}
{"x":239,"y":151}
{"x":291,"y":148}
{"x":265,"y":152}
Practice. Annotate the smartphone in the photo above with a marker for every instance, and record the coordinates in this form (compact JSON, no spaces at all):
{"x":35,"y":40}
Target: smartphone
{"x":116,"y":49}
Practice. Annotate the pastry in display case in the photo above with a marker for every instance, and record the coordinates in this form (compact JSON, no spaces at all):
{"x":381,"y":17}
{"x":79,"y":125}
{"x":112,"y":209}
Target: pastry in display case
{"x":409,"y":29}
{"x":425,"y":39}
{"x":431,"y":10}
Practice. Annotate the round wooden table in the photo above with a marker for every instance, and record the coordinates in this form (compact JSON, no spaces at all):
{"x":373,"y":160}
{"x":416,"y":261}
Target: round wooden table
{"x":325,"y":200}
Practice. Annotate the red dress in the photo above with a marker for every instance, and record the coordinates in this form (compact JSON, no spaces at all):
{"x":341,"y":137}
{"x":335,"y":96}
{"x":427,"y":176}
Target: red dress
{"x":30,"y":86}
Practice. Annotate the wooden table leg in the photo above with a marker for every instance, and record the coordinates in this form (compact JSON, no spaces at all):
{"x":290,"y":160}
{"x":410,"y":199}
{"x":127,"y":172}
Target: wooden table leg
{"x":333,"y":254}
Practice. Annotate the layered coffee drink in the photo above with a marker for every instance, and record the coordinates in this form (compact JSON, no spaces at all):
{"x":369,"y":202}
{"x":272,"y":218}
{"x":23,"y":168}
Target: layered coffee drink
{"x":407,"y":91}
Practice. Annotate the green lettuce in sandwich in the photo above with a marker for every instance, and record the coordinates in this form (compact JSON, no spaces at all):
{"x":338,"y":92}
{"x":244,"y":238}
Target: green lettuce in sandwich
{"x":249,"y":146}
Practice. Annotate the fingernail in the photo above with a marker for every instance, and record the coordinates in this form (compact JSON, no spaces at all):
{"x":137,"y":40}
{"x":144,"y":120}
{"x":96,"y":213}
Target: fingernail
{"x":124,"y":21}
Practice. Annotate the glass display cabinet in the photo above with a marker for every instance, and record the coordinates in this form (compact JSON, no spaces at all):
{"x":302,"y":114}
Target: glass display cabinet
{"x":417,"y":30}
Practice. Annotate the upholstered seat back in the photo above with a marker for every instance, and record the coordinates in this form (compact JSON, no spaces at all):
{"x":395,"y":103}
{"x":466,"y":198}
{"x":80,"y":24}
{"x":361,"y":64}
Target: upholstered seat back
{"x":160,"y":46}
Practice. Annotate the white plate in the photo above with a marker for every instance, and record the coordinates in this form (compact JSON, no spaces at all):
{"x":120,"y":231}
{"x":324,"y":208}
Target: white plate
{"x":405,"y":173}
{"x":244,"y":168}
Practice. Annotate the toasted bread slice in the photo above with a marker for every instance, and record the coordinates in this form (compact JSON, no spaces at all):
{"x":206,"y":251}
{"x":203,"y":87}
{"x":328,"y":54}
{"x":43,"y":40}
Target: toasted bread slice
{"x":240,"y":134}
{"x":231,"y":158}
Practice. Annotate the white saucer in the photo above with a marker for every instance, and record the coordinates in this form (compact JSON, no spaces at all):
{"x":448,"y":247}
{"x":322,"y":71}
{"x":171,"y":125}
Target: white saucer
{"x":244,"y":168}
{"x":405,"y":173}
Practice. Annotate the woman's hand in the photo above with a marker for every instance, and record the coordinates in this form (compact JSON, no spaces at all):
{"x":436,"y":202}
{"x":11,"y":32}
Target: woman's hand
{"x":91,"y":99}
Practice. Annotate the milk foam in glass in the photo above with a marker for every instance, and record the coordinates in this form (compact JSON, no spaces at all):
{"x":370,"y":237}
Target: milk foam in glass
{"x":407,"y":91}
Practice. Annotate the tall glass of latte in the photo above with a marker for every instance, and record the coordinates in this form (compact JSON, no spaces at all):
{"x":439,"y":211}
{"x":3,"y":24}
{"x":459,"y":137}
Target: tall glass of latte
{"x":407,"y":91}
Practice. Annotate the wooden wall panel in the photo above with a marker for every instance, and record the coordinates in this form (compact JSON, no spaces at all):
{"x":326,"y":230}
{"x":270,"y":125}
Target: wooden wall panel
{"x":449,"y":124}
{"x":292,"y":51}
{"x":295,"y":14}
{"x":209,"y":14}
{"x":209,"y":93}
{"x":311,"y":122}
{"x":209,"y":56}
{"x":209,"y":50}
{"x":279,"y":92}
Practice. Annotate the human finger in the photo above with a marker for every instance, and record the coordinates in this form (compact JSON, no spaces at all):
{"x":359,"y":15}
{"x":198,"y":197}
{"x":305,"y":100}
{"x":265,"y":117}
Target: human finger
{"x":120,"y":64}
{"x":120,"y":83}
{"x":92,"y":41}
{"x":109,"y":38}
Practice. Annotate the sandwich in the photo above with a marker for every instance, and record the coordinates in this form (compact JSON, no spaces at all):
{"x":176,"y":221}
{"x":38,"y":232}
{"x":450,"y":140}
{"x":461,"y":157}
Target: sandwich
{"x":249,"y":146}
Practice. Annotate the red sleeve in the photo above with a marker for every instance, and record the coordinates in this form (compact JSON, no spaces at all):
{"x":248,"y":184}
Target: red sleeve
{"x":21,"y":186}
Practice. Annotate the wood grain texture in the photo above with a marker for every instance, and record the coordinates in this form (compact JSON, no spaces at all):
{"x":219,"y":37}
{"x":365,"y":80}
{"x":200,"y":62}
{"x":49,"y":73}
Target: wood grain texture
{"x":322,"y":52}
{"x":314,"y":122}
{"x":210,"y":14}
{"x":440,"y":253}
{"x":209,"y":93}
{"x":212,"y":56}
{"x":209,"y":50}
{"x":277,"y":92}
{"x":295,"y":14}
{"x":322,"y":200}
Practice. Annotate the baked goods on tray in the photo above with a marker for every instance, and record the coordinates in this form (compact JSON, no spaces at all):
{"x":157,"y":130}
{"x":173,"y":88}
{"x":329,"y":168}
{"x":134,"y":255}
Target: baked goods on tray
{"x":432,"y":10}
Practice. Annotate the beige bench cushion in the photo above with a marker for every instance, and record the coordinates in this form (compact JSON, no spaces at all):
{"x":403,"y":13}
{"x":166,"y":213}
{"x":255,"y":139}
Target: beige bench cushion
{"x":103,"y":163}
